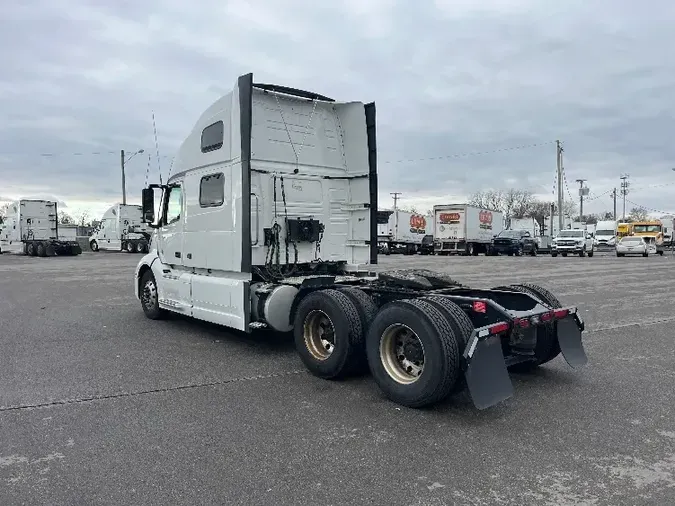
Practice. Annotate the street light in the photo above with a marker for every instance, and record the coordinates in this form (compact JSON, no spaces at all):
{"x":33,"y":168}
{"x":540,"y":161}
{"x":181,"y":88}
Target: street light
{"x":124,"y":179}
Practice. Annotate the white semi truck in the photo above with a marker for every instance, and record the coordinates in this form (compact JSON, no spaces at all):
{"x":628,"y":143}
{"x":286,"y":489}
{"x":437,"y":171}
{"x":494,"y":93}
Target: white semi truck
{"x":605,"y":235}
{"x":402,"y":231}
{"x":121,"y":229}
{"x":252,"y":231}
{"x":32,"y":227}
{"x":464,"y":229}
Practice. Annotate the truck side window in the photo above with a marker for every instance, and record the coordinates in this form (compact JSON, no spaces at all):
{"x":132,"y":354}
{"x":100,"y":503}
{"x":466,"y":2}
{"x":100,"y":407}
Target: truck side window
{"x":212,"y":137}
{"x":174,"y":205}
{"x":212,"y":190}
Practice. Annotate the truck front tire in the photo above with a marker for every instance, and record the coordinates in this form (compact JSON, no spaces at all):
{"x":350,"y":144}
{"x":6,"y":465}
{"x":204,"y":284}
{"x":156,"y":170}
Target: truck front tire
{"x":328,"y":334}
{"x":149,"y":296}
{"x":413,"y":353}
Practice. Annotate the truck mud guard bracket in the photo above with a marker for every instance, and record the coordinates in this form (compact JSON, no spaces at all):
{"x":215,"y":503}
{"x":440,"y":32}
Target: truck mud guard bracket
{"x":487,"y":377}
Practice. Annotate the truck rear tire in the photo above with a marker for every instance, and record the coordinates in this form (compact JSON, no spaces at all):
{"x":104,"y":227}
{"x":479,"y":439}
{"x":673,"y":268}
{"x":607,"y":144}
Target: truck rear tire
{"x":30,"y":249}
{"x":547,"y":347}
{"x":130,"y":247}
{"x":150,"y":297}
{"x":461,"y":324}
{"x":93,"y":245}
{"x":41,"y":250}
{"x":367,"y":310}
{"x":413,"y":353}
{"x":51,"y":251}
{"x":328,"y":334}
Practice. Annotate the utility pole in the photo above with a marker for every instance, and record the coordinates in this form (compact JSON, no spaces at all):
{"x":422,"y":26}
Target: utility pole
{"x":624,"y":191}
{"x":559,"y":152}
{"x":551,"y":218}
{"x":614,"y":197}
{"x":124,"y":179}
{"x":396,"y":196}
{"x":581,"y":198}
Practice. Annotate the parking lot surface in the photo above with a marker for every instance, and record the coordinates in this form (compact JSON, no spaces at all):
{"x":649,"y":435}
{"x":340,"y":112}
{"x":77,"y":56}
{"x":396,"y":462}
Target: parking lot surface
{"x":99,"y":405}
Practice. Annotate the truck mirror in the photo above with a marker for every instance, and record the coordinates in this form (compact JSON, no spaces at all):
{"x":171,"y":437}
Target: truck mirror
{"x":148,"y":205}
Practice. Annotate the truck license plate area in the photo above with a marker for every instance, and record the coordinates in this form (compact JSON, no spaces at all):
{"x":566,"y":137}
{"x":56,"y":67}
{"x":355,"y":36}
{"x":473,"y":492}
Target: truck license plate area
{"x":569,"y":338}
{"x":486,"y":375}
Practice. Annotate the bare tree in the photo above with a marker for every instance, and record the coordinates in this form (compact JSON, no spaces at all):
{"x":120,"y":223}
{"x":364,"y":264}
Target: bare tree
{"x":65,"y":219}
{"x":539,"y":211}
{"x":638,"y":214}
{"x":490,"y":199}
{"x":83,"y":219}
{"x":513,"y":203}
{"x":517,"y":203}
{"x":4,"y":212}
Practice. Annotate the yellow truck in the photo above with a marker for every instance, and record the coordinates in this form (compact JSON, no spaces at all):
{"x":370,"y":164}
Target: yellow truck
{"x":624,"y":229}
{"x":652,"y":231}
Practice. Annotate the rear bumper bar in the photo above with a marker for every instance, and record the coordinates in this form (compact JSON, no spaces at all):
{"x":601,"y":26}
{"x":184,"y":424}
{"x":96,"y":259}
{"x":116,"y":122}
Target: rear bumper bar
{"x":485,"y":366}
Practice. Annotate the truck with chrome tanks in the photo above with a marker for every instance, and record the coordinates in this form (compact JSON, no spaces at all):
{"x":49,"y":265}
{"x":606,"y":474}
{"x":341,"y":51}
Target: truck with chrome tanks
{"x":270,"y":220}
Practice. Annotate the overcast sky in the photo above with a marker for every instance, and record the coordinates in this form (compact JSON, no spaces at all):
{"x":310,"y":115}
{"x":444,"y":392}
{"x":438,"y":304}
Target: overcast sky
{"x":448,"y":77}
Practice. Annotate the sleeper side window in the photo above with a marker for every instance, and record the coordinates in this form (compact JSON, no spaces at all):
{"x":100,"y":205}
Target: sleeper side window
{"x":212,"y":190}
{"x":213,"y":137}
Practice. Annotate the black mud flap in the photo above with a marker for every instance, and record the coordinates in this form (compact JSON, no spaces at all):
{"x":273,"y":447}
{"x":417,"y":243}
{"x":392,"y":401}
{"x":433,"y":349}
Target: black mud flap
{"x":569,"y":339}
{"x":486,"y":375}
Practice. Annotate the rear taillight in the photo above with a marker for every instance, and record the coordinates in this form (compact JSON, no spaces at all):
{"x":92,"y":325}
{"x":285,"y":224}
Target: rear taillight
{"x":560,"y":313}
{"x":479,"y":306}
{"x":523,"y":323}
{"x":499,"y":328}
{"x":545,"y":317}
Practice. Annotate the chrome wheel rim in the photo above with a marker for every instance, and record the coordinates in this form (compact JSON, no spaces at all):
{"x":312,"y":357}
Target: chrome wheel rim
{"x":149,"y":295}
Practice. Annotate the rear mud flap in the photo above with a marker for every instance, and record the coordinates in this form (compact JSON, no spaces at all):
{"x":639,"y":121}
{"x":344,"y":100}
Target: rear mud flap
{"x":486,"y":375}
{"x":569,"y":339}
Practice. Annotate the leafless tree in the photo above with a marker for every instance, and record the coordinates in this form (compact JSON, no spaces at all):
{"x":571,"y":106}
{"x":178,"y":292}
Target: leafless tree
{"x":513,"y":203}
{"x":4,"y":211}
{"x":83,"y":219}
{"x":65,"y":219}
{"x":638,"y":214}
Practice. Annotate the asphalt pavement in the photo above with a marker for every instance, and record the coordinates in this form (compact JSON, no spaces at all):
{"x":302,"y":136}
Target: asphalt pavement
{"x":99,"y":405}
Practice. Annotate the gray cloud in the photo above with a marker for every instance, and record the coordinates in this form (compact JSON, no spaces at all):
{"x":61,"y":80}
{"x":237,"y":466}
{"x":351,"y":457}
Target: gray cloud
{"x":451,"y":77}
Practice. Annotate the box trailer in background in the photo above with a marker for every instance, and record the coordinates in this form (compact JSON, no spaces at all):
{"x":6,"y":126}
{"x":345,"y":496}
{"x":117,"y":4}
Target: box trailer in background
{"x":464,"y":229}
{"x":121,"y":229}
{"x":401,"y":232}
{"x":32,"y":227}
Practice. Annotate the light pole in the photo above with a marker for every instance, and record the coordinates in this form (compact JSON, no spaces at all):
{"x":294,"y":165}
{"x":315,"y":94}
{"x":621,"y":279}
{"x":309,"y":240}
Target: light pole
{"x":124,"y":179}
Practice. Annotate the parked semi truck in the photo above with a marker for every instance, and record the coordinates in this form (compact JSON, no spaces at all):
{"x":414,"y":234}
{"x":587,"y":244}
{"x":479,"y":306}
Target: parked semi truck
{"x":403,"y":231}
{"x":464,"y":229}
{"x":252,"y":232}
{"x":32,"y":227}
{"x":121,"y":229}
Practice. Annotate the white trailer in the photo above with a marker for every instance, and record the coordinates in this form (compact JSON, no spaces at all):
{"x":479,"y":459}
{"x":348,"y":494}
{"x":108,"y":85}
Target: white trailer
{"x":403,"y":231}
{"x":253,"y":231}
{"x":121,"y":229}
{"x":32,"y":227}
{"x":464,"y":229}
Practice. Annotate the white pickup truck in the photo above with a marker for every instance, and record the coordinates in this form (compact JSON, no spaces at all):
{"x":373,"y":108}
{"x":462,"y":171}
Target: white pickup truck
{"x":574,"y":241}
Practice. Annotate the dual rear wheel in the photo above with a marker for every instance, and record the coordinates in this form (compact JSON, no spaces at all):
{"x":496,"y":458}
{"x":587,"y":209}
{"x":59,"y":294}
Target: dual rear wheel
{"x":412,"y":347}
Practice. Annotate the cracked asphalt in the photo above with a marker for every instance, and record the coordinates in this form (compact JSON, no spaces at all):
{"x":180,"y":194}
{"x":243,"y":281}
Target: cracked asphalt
{"x":99,"y":405}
